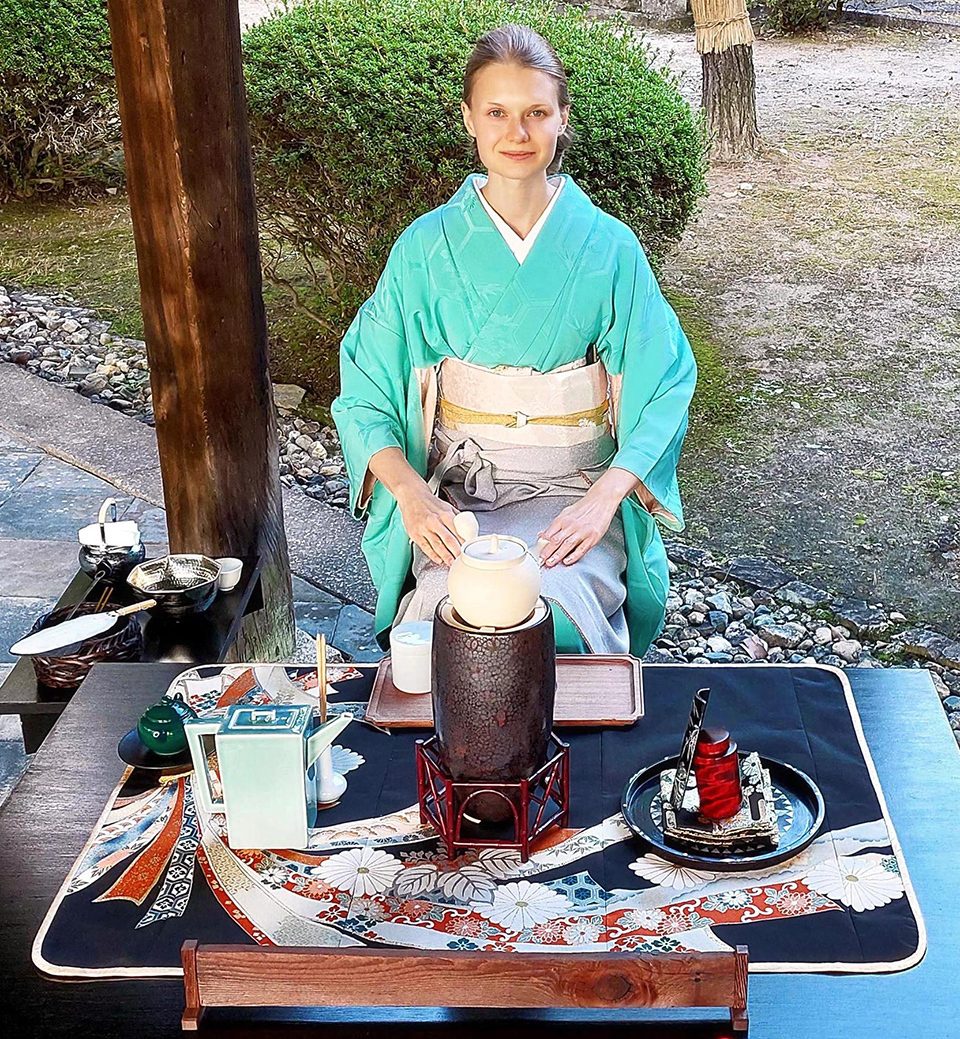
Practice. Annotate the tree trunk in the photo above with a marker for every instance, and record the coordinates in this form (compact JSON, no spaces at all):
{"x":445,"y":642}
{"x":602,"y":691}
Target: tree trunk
{"x":729,"y":101}
{"x":189,"y":176}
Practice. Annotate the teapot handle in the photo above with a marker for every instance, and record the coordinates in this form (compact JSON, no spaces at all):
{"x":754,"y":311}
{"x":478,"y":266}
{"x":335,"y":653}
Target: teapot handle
{"x":195,"y":731}
{"x":109,"y":503}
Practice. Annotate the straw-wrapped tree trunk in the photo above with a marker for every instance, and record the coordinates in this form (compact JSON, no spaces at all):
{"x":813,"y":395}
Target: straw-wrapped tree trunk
{"x":725,"y":45}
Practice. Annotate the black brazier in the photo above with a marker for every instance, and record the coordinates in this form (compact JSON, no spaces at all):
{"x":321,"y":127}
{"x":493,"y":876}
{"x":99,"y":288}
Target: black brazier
{"x":493,"y":696}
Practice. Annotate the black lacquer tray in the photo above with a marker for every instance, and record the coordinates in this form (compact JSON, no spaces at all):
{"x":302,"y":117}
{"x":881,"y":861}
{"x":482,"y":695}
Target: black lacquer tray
{"x":133,"y":751}
{"x":798,"y":801}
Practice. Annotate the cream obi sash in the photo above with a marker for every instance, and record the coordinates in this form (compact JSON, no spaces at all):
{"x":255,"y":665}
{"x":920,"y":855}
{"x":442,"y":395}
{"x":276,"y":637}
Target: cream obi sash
{"x":560,"y":408}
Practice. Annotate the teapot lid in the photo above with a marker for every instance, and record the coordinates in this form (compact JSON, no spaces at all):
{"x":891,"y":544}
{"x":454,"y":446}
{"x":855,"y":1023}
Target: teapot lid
{"x":268,"y":718}
{"x":494,"y":551}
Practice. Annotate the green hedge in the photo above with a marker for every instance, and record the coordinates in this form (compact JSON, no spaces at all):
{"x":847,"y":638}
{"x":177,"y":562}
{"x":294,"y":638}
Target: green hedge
{"x":798,"y":16}
{"x":356,"y":127}
{"x":58,"y":118}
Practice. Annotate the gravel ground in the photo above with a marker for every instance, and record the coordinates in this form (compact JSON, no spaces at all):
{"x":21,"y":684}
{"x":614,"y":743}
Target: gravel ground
{"x":829,"y":271}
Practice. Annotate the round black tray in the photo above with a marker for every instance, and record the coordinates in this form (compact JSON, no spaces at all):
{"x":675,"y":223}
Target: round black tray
{"x":799,"y":816}
{"x":133,"y":751}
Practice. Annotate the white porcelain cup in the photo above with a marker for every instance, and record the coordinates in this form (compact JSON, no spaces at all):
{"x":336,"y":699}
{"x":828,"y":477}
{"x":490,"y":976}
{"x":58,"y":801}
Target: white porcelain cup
{"x":230,"y":570}
{"x":410,"y":647}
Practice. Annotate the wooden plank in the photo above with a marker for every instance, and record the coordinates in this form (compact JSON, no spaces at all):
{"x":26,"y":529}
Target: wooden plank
{"x":593,"y":690}
{"x":193,"y":1010}
{"x":190,"y":182}
{"x":229,"y":975}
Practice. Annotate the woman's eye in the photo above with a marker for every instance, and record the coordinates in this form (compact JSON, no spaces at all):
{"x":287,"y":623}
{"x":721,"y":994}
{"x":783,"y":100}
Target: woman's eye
{"x":496,"y":112}
{"x":538,"y":111}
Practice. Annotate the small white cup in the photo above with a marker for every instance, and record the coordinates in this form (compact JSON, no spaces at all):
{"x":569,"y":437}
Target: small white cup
{"x":411,"y":645}
{"x":230,"y":570}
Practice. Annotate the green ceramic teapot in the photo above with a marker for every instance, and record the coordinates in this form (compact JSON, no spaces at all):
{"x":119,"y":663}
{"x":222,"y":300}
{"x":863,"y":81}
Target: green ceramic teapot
{"x":161,"y":725}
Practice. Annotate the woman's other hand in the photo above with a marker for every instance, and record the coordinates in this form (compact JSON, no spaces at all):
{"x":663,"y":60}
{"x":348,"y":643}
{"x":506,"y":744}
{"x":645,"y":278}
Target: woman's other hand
{"x":429,"y":522}
{"x":582,"y":525}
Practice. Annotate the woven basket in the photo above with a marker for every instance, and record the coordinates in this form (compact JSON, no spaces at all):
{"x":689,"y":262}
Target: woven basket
{"x":67,"y":672}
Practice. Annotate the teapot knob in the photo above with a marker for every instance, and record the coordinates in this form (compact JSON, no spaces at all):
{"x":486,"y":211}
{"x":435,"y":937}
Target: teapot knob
{"x":541,"y":545}
{"x":466,"y":525}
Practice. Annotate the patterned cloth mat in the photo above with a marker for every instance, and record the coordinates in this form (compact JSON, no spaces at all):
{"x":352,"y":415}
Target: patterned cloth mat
{"x":156,"y":871}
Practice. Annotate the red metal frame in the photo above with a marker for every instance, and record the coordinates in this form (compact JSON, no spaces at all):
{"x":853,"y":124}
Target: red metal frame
{"x":444,"y":801}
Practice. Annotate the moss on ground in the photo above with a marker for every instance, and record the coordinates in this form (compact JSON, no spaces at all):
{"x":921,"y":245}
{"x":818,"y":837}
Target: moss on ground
{"x":83,"y":249}
{"x":716,"y":408}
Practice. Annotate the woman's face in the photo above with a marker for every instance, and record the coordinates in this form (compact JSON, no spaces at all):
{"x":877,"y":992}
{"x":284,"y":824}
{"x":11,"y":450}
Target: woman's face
{"x":516,"y":119}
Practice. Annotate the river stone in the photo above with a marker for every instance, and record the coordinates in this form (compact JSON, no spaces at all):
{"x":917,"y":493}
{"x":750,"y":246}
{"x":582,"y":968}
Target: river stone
{"x":754,"y":647}
{"x":848,"y":650}
{"x":718,"y":619}
{"x":786,"y":636}
{"x":720,"y":601}
{"x":287,"y":397}
{"x":686,"y":554}
{"x":24,"y":331}
{"x":800,"y":594}
{"x":736,"y":632}
{"x":862,"y":618}
{"x":756,"y":572}
{"x":922,"y":642}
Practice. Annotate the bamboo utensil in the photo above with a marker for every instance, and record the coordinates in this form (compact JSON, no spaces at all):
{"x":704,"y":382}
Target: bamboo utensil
{"x":322,"y":676}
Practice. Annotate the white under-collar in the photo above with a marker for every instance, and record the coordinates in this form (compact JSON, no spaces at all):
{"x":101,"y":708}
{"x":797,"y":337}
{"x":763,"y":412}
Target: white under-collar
{"x":520,"y":247}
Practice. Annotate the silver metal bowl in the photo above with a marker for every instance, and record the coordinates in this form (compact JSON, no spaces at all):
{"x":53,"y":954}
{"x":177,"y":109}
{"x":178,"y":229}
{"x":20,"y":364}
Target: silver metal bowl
{"x":181,"y":584}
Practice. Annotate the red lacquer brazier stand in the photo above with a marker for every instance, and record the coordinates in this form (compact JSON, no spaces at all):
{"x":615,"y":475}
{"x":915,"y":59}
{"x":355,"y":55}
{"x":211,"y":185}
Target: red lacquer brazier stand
{"x":535,"y":804}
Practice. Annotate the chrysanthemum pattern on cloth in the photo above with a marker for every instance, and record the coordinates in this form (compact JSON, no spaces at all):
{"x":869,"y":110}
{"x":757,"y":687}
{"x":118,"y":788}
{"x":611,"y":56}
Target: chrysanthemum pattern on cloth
{"x":584,"y":932}
{"x":669,"y":874}
{"x":520,"y":904}
{"x":862,"y":882}
{"x":360,"y":871}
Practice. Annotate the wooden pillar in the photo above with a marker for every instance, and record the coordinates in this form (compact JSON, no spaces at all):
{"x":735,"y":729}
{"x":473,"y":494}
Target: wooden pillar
{"x":190,"y":182}
{"x":725,"y":45}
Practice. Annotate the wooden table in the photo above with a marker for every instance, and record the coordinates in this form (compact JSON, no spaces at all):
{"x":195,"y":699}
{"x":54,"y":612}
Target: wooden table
{"x":54,"y":808}
{"x":201,"y":638}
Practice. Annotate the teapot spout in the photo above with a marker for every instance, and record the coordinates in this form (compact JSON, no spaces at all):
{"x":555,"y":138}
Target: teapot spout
{"x":325,"y":735}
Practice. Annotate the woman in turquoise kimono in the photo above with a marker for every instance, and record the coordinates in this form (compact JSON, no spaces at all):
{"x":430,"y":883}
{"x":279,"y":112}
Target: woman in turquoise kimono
{"x":519,"y":361}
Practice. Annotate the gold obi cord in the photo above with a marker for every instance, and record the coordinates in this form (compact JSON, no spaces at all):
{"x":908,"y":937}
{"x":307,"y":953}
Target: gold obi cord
{"x":453,"y":415}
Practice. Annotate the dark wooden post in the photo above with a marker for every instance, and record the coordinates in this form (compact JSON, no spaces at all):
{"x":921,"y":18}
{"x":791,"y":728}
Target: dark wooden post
{"x":189,"y":177}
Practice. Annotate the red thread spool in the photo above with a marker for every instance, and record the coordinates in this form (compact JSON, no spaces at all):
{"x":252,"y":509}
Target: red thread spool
{"x":717,"y":768}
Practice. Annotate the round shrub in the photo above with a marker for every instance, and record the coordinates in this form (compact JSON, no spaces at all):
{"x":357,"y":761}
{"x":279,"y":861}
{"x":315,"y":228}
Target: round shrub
{"x":356,"y":128}
{"x":798,"y":16}
{"x":59,"y":126}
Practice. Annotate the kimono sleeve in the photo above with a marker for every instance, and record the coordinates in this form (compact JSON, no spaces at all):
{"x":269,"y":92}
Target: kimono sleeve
{"x":375,"y":370}
{"x":653,"y":374}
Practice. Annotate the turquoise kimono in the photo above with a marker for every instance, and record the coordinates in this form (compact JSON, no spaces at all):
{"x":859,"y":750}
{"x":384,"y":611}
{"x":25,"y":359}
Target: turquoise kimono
{"x":453,"y":288}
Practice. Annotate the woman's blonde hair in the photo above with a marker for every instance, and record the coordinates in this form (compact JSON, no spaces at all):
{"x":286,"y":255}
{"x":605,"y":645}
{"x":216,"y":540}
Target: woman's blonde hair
{"x":521,"y":45}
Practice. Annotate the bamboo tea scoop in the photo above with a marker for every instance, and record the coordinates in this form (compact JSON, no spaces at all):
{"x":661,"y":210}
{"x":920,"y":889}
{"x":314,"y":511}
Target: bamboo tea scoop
{"x":71,"y":633}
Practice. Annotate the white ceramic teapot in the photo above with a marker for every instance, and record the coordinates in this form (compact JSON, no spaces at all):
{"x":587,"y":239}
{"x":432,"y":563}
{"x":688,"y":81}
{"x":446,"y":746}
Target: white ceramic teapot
{"x":495,"y":581}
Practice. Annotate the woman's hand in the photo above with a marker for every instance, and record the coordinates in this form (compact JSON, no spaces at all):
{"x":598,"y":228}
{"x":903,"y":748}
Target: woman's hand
{"x":429,"y":523}
{"x":582,"y":525}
